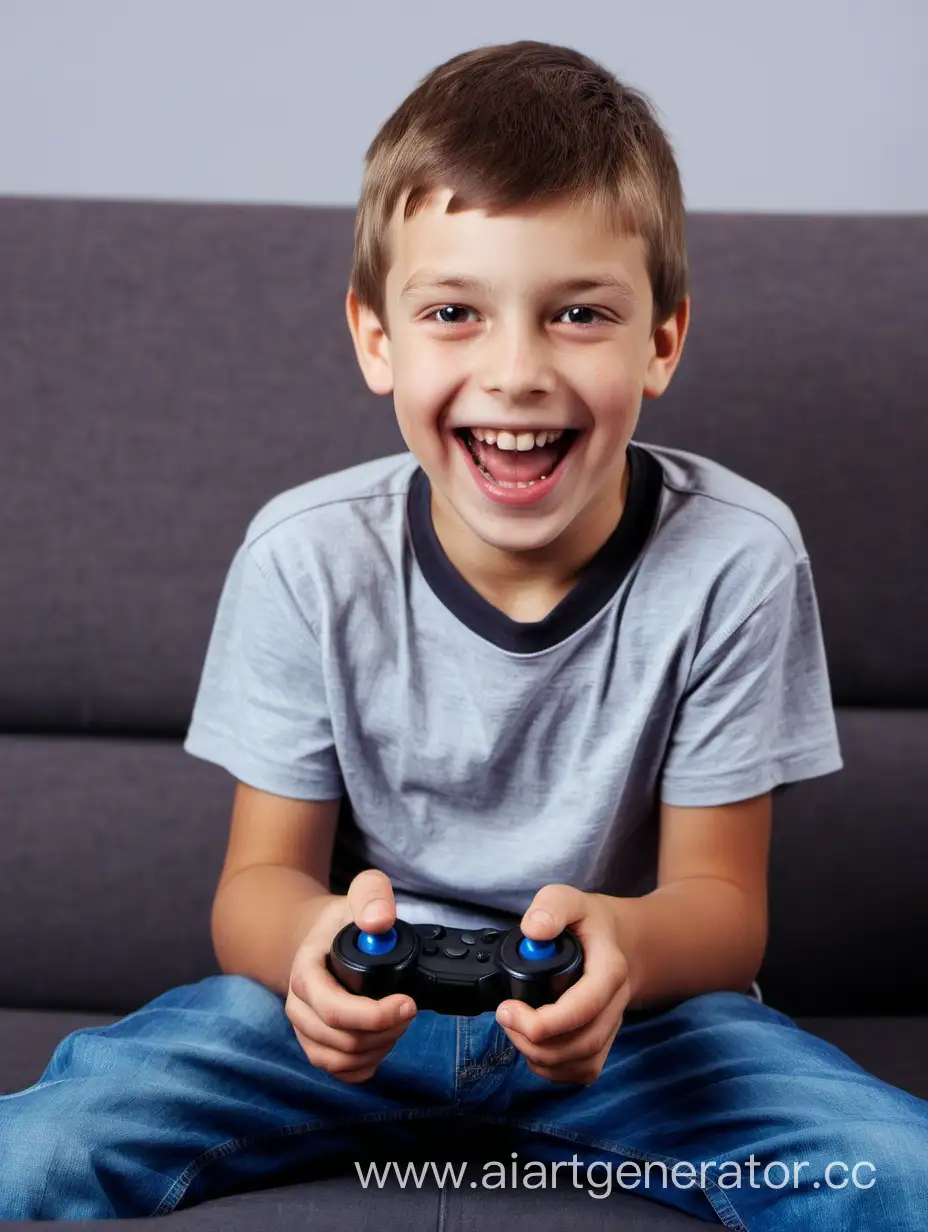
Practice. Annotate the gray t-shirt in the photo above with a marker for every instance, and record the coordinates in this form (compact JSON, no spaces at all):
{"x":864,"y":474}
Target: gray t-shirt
{"x":478,"y":757}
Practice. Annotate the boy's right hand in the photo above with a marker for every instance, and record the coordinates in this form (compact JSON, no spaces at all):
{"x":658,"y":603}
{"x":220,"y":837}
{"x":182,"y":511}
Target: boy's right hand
{"x":343,"y":1033}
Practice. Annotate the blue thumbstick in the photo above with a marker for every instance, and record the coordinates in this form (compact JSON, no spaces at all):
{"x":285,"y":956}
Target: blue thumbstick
{"x":377,"y":943}
{"x":536,"y":949}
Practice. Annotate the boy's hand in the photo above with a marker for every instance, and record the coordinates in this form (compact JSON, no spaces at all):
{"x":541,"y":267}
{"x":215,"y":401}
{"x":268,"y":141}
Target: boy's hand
{"x":339,"y":1031}
{"x":570,"y":1040}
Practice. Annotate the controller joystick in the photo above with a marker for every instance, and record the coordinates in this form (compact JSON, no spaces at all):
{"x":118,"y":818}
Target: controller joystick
{"x":455,"y":970}
{"x":377,"y":943}
{"x":535,"y":950}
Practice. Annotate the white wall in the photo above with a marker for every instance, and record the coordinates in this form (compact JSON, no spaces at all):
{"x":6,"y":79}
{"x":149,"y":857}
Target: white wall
{"x":789,"y":106}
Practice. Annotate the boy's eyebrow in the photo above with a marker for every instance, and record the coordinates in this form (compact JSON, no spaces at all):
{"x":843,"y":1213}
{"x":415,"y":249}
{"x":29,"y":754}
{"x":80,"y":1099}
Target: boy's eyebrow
{"x":461,"y":282}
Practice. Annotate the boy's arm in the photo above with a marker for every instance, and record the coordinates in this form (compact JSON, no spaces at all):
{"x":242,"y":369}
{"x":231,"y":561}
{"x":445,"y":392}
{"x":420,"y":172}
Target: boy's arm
{"x":274,"y":883}
{"x":704,"y":928}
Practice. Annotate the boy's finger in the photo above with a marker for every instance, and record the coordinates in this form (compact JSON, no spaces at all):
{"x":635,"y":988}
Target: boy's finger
{"x":574,"y":1008}
{"x":339,"y":1008}
{"x":558,"y":906}
{"x":370,"y":897}
{"x":307,"y":1020}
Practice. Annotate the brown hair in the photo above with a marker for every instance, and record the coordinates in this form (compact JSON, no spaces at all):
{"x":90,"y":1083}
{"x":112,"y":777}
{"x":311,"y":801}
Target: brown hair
{"x":524,"y":123}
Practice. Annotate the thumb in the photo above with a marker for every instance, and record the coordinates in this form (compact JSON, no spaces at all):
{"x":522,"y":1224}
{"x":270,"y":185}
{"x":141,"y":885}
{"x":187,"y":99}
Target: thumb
{"x":370,"y":898}
{"x":554,"y":908}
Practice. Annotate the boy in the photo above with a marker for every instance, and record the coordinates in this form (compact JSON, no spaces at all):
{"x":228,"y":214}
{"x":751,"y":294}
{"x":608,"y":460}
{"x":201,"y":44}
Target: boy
{"x":558,"y":675}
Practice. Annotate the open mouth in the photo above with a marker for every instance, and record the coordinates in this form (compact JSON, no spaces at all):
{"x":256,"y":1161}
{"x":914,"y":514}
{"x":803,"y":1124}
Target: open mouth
{"x":517,"y":468}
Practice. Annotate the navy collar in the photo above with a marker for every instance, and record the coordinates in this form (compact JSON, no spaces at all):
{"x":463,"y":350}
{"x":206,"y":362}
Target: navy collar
{"x":600,"y":579}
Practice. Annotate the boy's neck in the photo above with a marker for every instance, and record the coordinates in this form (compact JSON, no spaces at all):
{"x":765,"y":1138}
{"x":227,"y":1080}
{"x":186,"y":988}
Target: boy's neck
{"x":526,"y":586}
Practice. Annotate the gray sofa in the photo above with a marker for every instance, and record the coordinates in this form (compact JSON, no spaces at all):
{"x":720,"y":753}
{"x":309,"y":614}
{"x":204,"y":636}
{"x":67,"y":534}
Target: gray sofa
{"x":167,"y":367}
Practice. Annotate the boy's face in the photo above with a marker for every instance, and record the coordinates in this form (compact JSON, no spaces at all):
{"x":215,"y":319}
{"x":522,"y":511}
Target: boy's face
{"x":518,"y":356}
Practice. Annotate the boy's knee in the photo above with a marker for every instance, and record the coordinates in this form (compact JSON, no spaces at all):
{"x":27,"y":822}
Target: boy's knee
{"x":229,"y":996}
{"x":723,"y":1006}
{"x":245,"y":999}
{"x":226,"y":989}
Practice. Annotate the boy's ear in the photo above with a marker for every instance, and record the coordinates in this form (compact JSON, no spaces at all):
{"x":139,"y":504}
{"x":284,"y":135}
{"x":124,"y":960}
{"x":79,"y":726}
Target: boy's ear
{"x":371,"y":345}
{"x":666,"y":348}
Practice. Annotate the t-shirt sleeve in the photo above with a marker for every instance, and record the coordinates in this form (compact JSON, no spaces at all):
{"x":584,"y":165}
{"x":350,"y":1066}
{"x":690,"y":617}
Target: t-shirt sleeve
{"x":757,"y":711}
{"x":260,"y":710}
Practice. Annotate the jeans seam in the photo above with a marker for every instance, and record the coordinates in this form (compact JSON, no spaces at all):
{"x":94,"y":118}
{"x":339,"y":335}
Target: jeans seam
{"x":715,"y":1195}
{"x":170,"y":1200}
{"x":466,"y":1037}
{"x":456,"y":1093}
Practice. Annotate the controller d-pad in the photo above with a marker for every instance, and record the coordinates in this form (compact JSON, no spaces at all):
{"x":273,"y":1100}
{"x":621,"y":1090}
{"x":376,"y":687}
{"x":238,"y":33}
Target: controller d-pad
{"x":430,"y":948}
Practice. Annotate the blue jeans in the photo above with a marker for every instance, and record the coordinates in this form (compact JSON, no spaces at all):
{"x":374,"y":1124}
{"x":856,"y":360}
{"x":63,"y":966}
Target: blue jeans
{"x":205,"y":1091}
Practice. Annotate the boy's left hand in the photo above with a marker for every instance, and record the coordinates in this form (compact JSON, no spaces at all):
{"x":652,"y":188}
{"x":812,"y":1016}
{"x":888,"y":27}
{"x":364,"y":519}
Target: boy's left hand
{"x":570,"y":1040}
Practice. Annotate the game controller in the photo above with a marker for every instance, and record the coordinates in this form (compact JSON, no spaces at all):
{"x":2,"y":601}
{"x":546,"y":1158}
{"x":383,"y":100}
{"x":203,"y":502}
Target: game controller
{"x":455,"y":970}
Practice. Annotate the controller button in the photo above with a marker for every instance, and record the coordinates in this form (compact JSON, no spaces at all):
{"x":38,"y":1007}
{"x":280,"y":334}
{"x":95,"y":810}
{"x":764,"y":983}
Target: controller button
{"x":468,"y":939}
{"x":434,"y":932}
{"x":429,"y":948}
{"x":377,"y":943}
{"x":483,"y":956}
{"x":488,"y":935}
{"x":455,"y":951}
{"x":536,"y":949}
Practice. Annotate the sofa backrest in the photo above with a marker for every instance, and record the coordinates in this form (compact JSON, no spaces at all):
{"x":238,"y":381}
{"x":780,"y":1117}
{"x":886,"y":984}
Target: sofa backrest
{"x":165,"y":368}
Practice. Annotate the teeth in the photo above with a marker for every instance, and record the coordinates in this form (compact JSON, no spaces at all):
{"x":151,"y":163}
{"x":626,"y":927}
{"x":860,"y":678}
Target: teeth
{"x":520,"y":441}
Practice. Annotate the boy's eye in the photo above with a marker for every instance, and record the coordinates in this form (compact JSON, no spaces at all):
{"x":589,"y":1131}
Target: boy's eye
{"x":461,"y":308}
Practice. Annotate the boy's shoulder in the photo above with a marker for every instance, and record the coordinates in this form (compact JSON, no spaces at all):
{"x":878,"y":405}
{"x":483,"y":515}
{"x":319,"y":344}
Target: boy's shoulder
{"x":722,"y":509}
{"x":334,"y":504}
{"x":722,"y":544}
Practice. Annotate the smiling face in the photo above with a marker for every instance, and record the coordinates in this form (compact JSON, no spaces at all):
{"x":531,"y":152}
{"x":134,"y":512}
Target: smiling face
{"x":551,"y":335}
